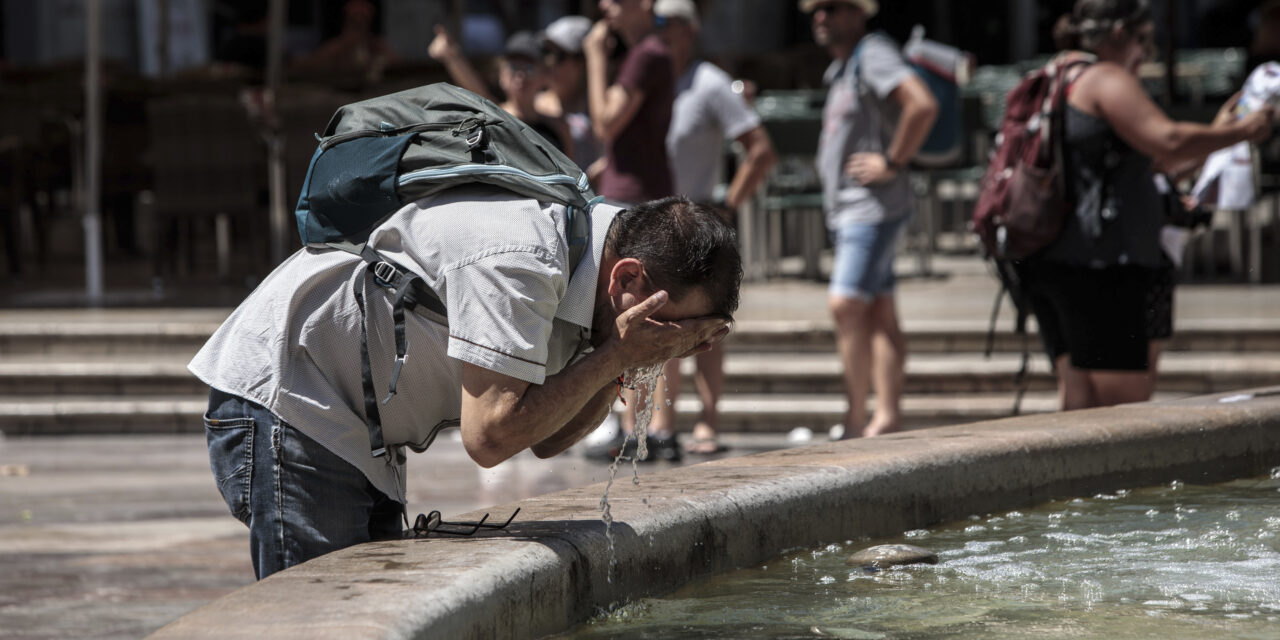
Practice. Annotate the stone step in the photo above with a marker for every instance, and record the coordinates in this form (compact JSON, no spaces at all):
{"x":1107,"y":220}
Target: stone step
{"x":740,"y":413}
{"x":135,"y":376}
{"x":88,"y":415}
{"x":745,"y":413}
{"x":183,"y":337}
{"x":59,"y":339}
{"x":958,"y":337}
{"x":1182,"y":372}
{"x":750,"y":373}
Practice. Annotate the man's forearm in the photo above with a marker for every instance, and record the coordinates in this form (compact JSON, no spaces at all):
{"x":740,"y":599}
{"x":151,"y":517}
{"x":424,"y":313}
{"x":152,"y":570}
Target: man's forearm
{"x":913,"y":130}
{"x":760,"y":159}
{"x":597,"y":89}
{"x":590,"y":417}
{"x":504,"y":422}
{"x":464,"y":75}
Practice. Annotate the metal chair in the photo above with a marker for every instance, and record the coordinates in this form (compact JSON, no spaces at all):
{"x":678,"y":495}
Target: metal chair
{"x":208,"y":163}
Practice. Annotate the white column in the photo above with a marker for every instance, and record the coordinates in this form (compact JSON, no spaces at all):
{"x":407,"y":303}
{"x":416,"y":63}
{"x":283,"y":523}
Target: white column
{"x":279,"y":213}
{"x":93,"y":153}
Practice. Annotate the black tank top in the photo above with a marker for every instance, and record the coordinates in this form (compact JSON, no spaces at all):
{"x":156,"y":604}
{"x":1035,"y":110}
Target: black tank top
{"x":1118,"y":212}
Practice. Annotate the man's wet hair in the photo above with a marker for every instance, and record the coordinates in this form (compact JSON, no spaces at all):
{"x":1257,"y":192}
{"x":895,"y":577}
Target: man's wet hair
{"x":683,"y":246}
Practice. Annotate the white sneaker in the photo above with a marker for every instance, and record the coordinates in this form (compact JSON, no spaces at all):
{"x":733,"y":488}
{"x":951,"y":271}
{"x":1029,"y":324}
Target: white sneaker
{"x":605,"y":433}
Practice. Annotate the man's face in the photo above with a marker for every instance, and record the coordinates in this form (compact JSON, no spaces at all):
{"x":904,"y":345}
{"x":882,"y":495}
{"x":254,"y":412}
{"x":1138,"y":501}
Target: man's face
{"x":623,"y":15}
{"x":694,"y":304}
{"x":838,"y":23}
{"x":519,"y":75}
{"x":678,"y":35}
{"x":626,"y":289}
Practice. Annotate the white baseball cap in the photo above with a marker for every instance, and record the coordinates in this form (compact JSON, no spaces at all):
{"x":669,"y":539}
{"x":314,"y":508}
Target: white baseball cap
{"x":568,"y":32}
{"x":682,"y":9}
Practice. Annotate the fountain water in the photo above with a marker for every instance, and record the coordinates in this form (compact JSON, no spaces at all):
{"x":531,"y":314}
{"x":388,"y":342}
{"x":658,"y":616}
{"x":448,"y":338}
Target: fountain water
{"x":644,"y":381}
{"x":1173,"y":561}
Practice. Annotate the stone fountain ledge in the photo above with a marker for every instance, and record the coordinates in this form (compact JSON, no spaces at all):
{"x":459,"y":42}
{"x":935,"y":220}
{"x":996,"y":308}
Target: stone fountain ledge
{"x":549,"y":570}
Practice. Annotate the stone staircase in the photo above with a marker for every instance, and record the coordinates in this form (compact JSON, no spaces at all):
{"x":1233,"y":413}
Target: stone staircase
{"x":126,"y":373}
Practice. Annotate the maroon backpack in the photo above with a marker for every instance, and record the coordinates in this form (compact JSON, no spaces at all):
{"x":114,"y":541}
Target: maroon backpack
{"x":1023,"y":200}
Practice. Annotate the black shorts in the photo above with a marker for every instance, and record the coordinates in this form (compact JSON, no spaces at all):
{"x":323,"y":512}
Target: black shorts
{"x":1160,"y":301}
{"x":1098,"y":316}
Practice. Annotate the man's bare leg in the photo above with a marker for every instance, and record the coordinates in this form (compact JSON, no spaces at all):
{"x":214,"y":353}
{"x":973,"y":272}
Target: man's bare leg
{"x":854,"y":326}
{"x":710,"y":384}
{"x":888,"y":367}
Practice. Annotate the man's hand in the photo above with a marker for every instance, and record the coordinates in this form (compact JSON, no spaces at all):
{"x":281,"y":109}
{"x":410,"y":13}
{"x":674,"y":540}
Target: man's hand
{"x":443,"y":47}
{"x":642,"y":341}
{"x":869,"y":169}
{"x":596,"y":42}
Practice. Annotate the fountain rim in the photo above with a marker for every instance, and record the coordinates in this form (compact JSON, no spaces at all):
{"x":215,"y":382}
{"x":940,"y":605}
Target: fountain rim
{"x":550,"y":571}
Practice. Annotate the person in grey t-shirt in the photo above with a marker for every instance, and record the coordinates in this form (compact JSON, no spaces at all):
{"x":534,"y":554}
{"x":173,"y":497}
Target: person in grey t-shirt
{"x":878,"y":113}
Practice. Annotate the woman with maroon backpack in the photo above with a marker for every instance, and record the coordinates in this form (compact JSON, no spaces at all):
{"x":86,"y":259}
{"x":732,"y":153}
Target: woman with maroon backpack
{"x":1090,"y":288}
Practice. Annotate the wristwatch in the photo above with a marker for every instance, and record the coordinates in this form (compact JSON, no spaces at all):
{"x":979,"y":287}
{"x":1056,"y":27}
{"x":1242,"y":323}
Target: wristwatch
{"x":898,"y":167}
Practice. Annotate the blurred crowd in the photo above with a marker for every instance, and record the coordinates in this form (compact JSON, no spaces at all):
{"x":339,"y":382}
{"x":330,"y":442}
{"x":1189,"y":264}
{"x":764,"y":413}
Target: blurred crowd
{"x":631,"y":100}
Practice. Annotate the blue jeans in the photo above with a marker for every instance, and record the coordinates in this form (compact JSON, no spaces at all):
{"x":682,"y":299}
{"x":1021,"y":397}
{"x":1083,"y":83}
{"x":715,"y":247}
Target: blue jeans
{"x":299,"y":500}
{"x":864,"y":258}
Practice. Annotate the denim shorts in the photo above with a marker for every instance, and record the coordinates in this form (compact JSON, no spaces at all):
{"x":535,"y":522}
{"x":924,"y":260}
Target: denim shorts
{"x":299,"y":500}
{"x":864,"y":258}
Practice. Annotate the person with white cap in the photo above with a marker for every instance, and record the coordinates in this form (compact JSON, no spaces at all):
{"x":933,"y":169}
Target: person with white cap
{"x":566,"y":93}
{"x":877,"y":115}
{"x":707,"y":111}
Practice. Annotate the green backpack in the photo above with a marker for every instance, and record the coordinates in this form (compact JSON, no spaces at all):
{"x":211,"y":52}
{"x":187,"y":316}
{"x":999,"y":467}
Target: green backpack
{"x":377,"y":155}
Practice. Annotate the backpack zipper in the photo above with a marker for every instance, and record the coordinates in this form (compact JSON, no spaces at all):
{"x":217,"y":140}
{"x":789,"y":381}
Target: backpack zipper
{"x":465,"y":170}
{"x":413,"y":128}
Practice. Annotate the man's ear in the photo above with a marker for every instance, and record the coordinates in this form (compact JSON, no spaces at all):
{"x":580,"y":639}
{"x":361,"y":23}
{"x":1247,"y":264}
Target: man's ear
{"x":627,"y":276}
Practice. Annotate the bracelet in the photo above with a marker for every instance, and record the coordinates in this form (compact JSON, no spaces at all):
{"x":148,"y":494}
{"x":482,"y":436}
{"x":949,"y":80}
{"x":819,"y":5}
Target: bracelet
{"x":622,"y":384}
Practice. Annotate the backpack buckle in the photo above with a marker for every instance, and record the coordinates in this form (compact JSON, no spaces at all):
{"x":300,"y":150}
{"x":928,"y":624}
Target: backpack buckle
{"x":477,"y":138}
{"x":385,"y":273}
{"x":473,"y":128}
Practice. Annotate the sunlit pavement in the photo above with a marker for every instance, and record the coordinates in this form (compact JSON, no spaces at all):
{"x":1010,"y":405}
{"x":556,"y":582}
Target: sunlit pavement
{"x":114,"y":536}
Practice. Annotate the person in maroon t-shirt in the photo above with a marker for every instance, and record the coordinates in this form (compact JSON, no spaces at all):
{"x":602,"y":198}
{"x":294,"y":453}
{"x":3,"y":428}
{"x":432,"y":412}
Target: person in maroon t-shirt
{"x":631,"y":116}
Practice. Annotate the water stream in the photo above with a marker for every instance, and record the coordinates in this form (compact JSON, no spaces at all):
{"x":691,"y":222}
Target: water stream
{"x":1169,"y":562}
{"x":644,"y":381}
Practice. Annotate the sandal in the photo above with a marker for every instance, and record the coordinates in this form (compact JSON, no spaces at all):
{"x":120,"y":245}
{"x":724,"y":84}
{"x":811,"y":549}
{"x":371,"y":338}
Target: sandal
{"x":705,"y":446}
